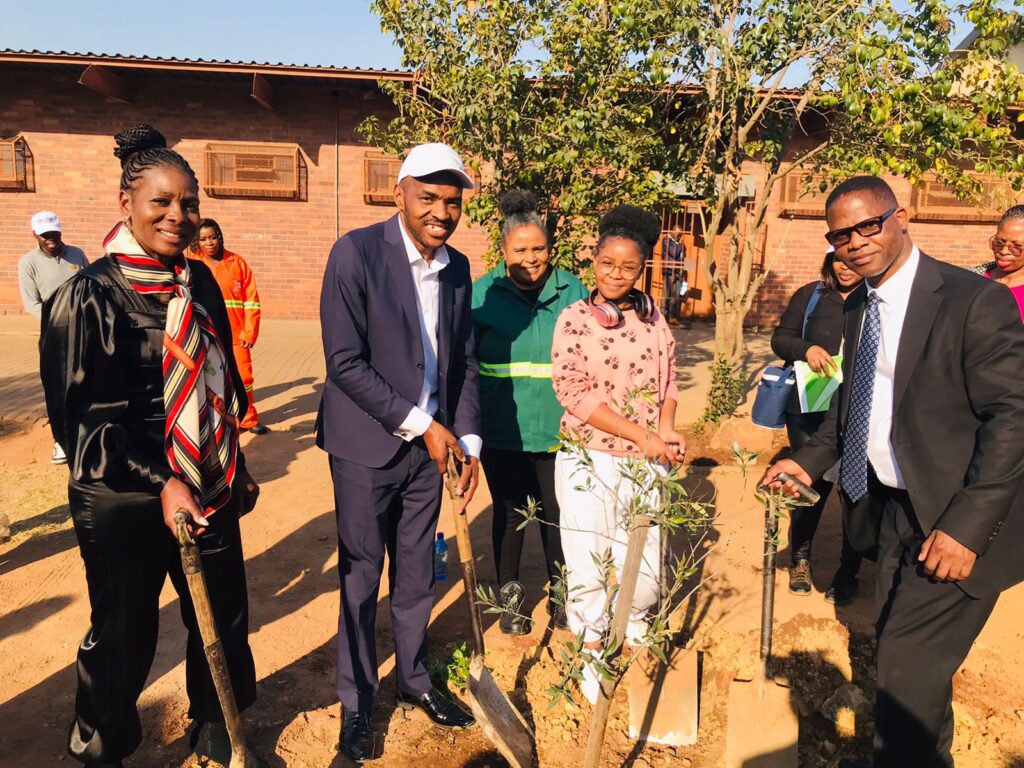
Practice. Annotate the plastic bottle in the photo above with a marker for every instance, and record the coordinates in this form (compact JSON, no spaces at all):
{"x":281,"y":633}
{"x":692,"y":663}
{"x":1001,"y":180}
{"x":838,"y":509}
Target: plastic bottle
{"x":440,"y":558}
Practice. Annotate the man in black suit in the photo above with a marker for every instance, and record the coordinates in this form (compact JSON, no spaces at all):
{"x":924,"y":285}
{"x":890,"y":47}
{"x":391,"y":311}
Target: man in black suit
{"x":929,"y":424}
{"x":401,"y":385}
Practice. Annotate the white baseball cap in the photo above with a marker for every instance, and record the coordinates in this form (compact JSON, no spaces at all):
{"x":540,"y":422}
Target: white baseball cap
{"x":45,"y":221}
{"x":425,"y":159}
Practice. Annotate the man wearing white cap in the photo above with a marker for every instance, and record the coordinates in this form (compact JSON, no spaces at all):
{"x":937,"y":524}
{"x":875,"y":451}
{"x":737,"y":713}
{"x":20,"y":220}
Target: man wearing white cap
{"x":42,"y":270}
{"x":401,"y":391}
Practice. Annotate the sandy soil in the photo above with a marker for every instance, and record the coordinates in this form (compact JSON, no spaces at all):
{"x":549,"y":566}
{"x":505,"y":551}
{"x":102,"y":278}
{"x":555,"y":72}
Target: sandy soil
{"x":291,"y":560}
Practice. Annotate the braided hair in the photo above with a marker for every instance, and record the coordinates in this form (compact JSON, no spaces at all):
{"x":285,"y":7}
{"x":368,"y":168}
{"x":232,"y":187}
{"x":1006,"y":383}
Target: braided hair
{"x":519,"y":207}
{"x":631,"y":223}
{"x":1014,"y":213}
{"x":142,"y":147}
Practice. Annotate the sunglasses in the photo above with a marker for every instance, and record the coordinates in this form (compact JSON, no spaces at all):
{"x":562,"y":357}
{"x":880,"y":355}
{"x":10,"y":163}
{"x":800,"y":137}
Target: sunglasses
{"x":866,"y":228}
{"x":997,"y":245}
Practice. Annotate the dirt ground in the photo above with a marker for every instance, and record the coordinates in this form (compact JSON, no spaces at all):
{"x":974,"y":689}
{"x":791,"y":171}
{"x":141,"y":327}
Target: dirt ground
{"x":291,"y":559}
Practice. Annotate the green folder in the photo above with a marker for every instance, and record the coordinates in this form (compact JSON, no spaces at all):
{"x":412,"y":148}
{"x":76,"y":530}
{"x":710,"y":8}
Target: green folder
{"x":814,"y":389}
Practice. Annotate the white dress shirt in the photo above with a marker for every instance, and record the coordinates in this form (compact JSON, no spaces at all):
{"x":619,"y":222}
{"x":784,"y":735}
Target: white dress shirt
{"x":426,"y":279}
{"x":894,"y":296}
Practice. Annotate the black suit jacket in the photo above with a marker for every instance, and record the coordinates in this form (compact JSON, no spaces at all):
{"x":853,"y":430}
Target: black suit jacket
{"x":958,"y":419}
{"x":371,"y":333}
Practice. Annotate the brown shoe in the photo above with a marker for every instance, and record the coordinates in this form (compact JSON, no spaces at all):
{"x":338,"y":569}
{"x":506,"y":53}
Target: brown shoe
{"x":800,"y":578}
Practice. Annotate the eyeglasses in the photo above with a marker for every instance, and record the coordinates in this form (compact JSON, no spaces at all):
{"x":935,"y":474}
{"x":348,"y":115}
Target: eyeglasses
{"x":866,"y":228}
{"x":997,"y":244}
{"x":628,"y":271}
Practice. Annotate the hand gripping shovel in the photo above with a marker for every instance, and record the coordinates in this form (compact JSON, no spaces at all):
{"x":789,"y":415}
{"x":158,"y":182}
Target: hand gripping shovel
{"x":763,"y":726}
{"x":193,"y":567}
{"x":498,"y":718}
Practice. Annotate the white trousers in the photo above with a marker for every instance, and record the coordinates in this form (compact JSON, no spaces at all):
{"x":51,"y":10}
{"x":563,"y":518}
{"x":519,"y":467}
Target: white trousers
{"x":593,"y":503}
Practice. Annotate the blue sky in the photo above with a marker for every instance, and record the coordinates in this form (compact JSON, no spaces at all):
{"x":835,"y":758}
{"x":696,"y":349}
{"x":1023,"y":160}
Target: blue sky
{"x":343,"y":33}
{"x":325,"y":32}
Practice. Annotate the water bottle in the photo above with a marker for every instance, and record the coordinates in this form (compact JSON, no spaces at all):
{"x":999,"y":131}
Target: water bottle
{"x":440,"y":558}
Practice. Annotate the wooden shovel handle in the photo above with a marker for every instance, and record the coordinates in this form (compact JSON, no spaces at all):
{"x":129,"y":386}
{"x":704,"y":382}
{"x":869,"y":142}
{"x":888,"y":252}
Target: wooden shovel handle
{"x":465,"y":554}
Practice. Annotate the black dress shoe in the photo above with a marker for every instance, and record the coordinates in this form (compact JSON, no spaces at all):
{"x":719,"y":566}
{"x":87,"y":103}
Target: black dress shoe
{"x":557,"y":614}
{"x":210,"y":741}
{"x":843,"y":589}
{"x":438,"y":707}
{"x":259,"y":429}
{"x":356,"y":736}
{"x":512,"y":622}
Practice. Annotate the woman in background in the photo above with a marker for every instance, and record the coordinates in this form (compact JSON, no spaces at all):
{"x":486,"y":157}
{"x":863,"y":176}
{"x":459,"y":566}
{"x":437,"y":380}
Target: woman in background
{"x":1007,"y":246}
{"x":815,"y":342}
{"x":242,"y":299}
{"x":515,"y":307}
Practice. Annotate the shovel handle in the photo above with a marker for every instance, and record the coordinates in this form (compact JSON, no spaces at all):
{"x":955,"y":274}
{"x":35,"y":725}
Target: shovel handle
{"x":466,"y":560}
{"x":771,"y":532}
{"x":192,"y":565}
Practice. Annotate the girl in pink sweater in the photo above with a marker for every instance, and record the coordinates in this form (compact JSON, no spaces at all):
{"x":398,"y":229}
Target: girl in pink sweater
{"x":613,"y":369}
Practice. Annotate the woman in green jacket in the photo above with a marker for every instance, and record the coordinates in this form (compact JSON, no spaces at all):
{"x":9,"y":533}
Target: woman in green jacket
{"x":515,"y":307}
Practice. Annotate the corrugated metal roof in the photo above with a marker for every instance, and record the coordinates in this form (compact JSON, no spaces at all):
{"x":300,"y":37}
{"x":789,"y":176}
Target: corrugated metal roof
{"x":205,"y":65}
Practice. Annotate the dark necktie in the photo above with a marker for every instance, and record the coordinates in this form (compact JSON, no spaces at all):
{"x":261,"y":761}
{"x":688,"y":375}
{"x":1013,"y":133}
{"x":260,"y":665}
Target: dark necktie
{"x":853,"y":472}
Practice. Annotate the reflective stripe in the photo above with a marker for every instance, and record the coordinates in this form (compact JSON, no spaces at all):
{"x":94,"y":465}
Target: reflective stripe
{"x":251,"y":305}
{"x":517,"y":370}
{"x":233,"y":304}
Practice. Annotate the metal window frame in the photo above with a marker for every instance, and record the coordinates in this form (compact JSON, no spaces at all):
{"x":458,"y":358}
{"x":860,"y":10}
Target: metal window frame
{"x":379,"y":195}
{"x":15,"y":151}
{"x":954,"y":210}
{"x":241,"y":187}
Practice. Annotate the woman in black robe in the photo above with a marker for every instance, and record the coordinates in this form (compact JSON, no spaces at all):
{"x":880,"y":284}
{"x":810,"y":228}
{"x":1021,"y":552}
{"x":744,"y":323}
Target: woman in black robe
{"x":146,"y":402}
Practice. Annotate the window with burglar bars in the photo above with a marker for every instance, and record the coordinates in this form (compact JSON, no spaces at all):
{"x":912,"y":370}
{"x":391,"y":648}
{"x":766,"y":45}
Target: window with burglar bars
{"x":380,"y":174}
{"x":935,"y":201}
{"x":802,"y":196}
{"x":15,"y":165}
{"x":254,"y":170}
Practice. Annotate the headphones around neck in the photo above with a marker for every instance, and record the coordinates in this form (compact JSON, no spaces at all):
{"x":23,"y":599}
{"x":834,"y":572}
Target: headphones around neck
{"x":609,"y":315}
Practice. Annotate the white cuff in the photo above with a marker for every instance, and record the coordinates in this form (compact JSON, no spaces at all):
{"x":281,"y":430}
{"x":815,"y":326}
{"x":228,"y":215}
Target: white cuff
{"x":416,"y":423}
{"x":471,"y":445}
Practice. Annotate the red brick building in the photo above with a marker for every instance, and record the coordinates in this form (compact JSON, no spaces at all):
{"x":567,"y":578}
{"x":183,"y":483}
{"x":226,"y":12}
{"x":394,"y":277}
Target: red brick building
{"x":275,"y":148}
{"x":283,"y":170}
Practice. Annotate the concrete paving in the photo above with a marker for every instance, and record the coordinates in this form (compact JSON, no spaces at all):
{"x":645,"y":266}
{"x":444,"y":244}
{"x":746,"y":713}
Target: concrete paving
{"x":289,"y":354}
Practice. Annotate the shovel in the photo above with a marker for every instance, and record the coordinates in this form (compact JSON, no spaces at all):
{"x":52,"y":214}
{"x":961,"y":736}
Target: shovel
{"x":193,"y":567}
{"x":498,"y":718}
{"x":763,"y":726}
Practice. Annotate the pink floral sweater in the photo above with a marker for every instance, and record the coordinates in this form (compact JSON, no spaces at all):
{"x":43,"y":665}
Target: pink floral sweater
{"x":631,"y":369}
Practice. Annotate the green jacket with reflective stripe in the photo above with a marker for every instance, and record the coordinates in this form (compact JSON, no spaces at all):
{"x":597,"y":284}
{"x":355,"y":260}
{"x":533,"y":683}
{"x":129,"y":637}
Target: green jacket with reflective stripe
{"x":518,"y":407}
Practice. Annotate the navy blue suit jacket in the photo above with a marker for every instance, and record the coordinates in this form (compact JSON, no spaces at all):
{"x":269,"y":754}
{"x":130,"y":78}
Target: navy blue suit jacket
{"x":371,"y":333}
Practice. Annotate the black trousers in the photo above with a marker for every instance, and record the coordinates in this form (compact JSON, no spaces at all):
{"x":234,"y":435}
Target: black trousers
{"x":803,"y":521}
{"x":925,"y":630}
{"x":128,"y":552}
{"x":512,"y":476}
{"x":392,"y":509}
{"x":672,"y":301}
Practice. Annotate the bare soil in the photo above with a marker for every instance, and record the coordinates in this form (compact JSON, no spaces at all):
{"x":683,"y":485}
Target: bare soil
{"x":293,"y":590}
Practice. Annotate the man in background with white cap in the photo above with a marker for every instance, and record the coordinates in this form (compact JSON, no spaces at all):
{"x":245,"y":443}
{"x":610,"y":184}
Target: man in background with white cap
{"x":401,"y":391}
{"x":42,"y":270}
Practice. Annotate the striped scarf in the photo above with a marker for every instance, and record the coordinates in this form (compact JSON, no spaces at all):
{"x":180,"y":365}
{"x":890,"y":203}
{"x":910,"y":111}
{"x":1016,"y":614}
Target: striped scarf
{"x":202,"y":412}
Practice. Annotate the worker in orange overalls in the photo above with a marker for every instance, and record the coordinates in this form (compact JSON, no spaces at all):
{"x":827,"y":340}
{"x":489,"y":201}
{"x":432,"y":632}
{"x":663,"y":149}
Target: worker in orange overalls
{"x":238,"y":285}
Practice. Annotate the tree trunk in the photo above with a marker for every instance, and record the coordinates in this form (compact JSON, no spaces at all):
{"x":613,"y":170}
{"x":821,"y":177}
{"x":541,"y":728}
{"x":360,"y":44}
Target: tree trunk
{"x":729,"y":343}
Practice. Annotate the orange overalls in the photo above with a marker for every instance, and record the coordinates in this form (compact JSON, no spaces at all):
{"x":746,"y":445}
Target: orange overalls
{"x":238,"y":286}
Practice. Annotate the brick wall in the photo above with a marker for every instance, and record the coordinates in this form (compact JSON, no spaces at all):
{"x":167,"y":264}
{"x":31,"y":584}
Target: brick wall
{"x":69,"y":130}
{"x":70,"y":133}
{"x":795,"y":248}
